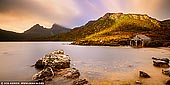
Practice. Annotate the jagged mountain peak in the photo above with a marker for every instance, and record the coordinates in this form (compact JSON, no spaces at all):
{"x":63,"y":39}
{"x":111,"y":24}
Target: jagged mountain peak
{"x":56,"y":26}
{"x":35,"y":28}
{"x":37,"y":25}
{"x":40,"y":31}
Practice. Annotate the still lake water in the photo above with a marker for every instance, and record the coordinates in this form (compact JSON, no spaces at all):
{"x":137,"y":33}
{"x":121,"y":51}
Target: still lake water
{"x":98,"y":64}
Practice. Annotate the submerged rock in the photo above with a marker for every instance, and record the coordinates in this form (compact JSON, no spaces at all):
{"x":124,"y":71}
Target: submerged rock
{"x":138,"y":82}
{"x":143,"y":74}
{"x":44,"y":75}
{"x":80,"y":82}
{"x":68,"y":73}
{"x":55,"y":59}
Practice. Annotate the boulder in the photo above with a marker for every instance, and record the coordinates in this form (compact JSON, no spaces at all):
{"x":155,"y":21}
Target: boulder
{"x":160,"y":63}
{"x":143,"y":74}
{"x":155,"y":58}
{"x":39,"y":64}
{"x":80,"y":82}
{"x":72,"y":73}
{"x":161,"y":59}
{"x":68,"y":73}
{"x":44,"y":75}
{"x":167,"y":82}
{"x":138,"y":82}
{"x":166,"y":72}
{"x":165,"y":59}
{"x":55,"y":59}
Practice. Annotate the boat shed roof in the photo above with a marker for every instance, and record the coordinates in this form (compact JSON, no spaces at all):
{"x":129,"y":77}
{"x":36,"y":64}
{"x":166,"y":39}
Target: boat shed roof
{"x":139,"y":37}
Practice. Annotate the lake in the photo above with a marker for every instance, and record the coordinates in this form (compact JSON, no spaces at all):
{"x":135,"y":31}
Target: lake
{"x":98,"y":64}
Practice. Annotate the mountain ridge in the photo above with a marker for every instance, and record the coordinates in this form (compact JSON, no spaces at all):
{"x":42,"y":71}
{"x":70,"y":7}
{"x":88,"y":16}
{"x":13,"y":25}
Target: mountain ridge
{"x":107,"y":21}
{"x":115,"y":27}
{"x":33,"y":33}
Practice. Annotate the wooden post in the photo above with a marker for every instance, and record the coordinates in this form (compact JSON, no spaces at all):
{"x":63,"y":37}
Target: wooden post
{"x":142,"y":43}
{"x":136,"y":42}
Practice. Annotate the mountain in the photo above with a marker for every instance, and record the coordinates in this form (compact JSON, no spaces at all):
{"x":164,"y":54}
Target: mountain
{"x":124,"y":23}
{"x":113,"y":28}
{"x":36,"y":29}
{"x":9,"y":35}
{"x":56,"y":29}
{"x":36,"y":32}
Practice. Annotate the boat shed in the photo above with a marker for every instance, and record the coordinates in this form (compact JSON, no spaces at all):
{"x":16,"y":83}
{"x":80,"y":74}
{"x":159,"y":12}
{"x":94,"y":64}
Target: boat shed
{"x":139,"y":40}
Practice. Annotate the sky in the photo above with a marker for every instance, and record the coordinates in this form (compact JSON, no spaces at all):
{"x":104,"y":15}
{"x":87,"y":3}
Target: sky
{"x":20,"y":15}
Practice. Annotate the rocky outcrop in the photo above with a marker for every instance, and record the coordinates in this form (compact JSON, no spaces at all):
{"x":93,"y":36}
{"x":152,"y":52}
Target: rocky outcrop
{"x":161,"y":62}
{"x":142,"y":17}
{"x":55,"y":64}
{"x":81,"y":82}
{"x":111,"y":16}
{"x":55,"y":59}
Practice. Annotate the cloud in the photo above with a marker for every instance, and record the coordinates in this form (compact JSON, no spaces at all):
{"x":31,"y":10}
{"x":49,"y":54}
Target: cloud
{"x":19,"y":15}
{"x":154,"y":8}
{"x":26,"y":12}
{"x":163,"y":11}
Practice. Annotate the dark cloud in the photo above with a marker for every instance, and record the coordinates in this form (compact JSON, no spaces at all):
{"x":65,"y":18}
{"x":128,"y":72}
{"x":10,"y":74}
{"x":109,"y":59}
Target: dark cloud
{"x":8,"y":5}
{"x":29,"y":8}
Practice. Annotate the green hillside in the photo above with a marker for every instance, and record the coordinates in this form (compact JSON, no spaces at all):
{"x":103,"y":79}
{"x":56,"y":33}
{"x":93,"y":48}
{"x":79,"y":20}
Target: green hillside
{"x":124,"y":26}
{"x":81,"y":32}
{"x":117,"y":29}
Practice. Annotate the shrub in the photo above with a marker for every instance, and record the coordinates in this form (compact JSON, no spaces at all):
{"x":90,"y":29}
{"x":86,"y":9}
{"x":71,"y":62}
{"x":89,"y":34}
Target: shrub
{"x":154,"y":44}
{"x":166,"y":44}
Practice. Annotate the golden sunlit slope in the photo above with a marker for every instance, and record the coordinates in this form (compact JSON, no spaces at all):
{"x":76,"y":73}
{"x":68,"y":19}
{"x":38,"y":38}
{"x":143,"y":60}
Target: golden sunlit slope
{"x":111,"y":26}
{"x":124,"y":23}
{"x":115,"y":28}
